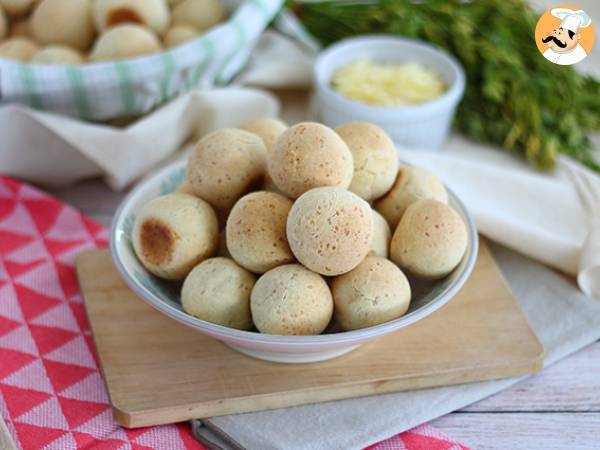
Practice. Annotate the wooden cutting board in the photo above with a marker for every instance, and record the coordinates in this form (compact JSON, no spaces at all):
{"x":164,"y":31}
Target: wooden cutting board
{"x":158,"y":371}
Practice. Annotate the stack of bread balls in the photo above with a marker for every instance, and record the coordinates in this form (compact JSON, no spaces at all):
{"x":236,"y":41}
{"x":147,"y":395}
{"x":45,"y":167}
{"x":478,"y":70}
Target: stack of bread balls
{"x":290,"y":229}
{"x":71,"y":32}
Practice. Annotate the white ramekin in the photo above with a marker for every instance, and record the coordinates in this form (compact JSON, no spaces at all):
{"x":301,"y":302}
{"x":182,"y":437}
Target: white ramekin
{"x":426,"y":125}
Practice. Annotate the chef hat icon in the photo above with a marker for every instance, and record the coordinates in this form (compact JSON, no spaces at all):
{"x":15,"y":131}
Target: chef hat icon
{"x":572,"y":20}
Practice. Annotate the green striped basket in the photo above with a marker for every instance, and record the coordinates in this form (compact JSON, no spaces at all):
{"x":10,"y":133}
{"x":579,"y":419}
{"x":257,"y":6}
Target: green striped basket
{"x":108,"y":90}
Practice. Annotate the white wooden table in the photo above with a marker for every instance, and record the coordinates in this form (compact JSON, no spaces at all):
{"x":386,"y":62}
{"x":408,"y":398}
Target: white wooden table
{"x":556,"y":409}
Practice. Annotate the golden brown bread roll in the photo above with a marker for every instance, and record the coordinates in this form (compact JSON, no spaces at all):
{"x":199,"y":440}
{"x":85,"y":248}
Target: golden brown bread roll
{"x":330,"y":230}
{"x":375,"y":158}
{"x":430,"y":240}
{"x":125,"y":41}
{"x":291,"y":300}
{"x":218,"y":291}
{"x":309,"y":155}
{"x":174,"y":233}
{"x":64,"y":22}
{"x":256,"y":231}
{"x":225,"y":164}
{"x":412,"y":184}
{"x":374,"y":292}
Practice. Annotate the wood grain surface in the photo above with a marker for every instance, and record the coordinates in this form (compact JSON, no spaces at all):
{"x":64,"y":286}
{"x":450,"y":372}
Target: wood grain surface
{"x":159,"y":371}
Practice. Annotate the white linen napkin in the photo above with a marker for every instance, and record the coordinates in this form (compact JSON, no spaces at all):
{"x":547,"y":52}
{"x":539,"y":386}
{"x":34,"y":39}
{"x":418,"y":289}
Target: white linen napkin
{"x":54,"y":150}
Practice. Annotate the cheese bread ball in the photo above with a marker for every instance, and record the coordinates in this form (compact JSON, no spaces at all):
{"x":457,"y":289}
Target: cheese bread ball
{"x":430,"y":240}
{"x":125,"y":41}
{"x":375,"y":159}
{"x":412,"y":184}
{"x":18,"y":48}
{"x":374,"y":292}
{"x":330,"y":230}
{"x":381,"y":236}
{"x":291,"y":300}
{"x":58,"y":54}
{"x":14,"y":8}
{"x":267,"y":128}
{"x":65,"y":22}
{"x":174,"y":233}
{"x":218,"y":291}
{"x":179,"y":34}
{"x":309,"y":155}
{"x":201,"y":14}
{"x":225,"y":164}
{"x":153,"y":14}
{"x":256,"y":231}
{"x":3,"y":24}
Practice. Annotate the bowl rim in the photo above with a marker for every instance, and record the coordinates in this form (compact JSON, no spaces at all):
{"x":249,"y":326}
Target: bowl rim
{"x":343,"y":337}
{"x":448,"y":99}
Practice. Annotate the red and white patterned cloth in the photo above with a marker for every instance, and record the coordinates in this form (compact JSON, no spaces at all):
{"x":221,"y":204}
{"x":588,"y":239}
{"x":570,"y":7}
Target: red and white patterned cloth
{"x":51,"y":391}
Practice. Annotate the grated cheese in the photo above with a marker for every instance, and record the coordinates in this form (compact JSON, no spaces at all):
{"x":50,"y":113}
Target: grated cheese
{"x":387,"y":84}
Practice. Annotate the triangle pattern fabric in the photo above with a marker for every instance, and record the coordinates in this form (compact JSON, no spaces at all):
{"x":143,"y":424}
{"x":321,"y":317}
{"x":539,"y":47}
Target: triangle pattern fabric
{"x":7,"y":206}
{"x":44,"y":212}
{"x":90,"y":389}
{"x":32,"y":376}
{"x":19,"y":220}
{"x":79,"y":412}
{"x":65,"y":441}
{"x":74,"y":352}
{"x":32,"y":436}
{"x":48,"y":338}
{"x":7,"y":325}
{"x":68,"y":227}
{"x":47,"y":414}
{"x":52,"y":395}
{"x":64,"y":375}
{"x":32,"y":303}
{"x":10,"y":241}
{"x":14,"y":269}
{"x":9,"y":304}
{"x":59,"y":316}
{"x":33,"y":252}
{"x":42,"y":279}
{"x":20,"y":401}
{"x":20,"y":340}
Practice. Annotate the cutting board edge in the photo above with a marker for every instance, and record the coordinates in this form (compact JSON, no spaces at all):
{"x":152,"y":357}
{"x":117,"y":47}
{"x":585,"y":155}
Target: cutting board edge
{"x":264,"y":402}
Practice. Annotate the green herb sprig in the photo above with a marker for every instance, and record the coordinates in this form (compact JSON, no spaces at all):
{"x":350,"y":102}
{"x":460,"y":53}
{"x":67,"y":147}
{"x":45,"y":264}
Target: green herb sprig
{"x":514,"y":97}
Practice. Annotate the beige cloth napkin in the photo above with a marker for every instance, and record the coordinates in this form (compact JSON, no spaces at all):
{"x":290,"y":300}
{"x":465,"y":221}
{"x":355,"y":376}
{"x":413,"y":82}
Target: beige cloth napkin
{"x":54,"y":150}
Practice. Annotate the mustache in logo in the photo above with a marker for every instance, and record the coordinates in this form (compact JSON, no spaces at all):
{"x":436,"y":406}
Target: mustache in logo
{"x":555,"y":40}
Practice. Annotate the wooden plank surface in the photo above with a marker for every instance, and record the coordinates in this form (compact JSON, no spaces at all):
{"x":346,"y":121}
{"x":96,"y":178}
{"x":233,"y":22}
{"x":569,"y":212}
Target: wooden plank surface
{"x":523,"y":431}
{"x":159,"y":371}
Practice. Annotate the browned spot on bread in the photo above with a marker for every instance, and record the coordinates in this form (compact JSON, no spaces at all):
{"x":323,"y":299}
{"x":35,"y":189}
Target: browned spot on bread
{"x":157,"y":240}
{"x":122,"y":15}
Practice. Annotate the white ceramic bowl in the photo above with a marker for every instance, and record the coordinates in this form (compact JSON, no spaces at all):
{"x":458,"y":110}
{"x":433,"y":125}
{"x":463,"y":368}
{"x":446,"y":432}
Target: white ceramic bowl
{"x":164,"y":295}
{"x":426,"y":125}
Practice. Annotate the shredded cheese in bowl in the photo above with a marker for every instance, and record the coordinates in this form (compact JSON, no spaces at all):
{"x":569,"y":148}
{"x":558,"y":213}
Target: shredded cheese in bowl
{"x":387,"y":84}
